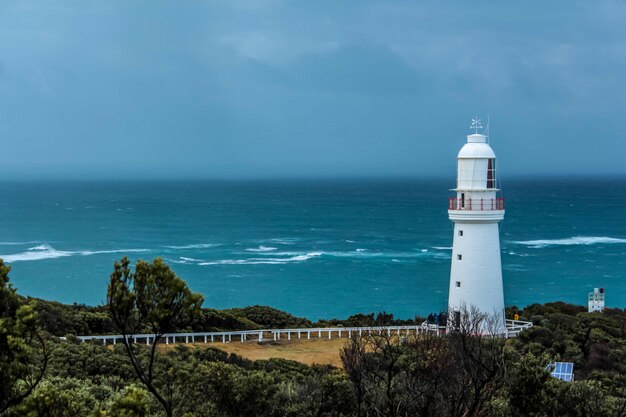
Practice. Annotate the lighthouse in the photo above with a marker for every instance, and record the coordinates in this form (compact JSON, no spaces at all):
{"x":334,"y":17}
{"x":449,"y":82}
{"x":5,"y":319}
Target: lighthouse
{"x":476,"y":270}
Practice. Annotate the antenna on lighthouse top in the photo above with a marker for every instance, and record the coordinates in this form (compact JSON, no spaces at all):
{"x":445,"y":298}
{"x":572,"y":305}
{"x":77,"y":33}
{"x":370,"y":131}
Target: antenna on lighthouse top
{"x":476,"y":124}
{"x":487,"y":131}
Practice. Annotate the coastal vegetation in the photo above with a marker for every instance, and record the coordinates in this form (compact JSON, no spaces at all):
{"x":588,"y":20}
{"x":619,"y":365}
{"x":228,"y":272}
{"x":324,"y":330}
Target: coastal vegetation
{"x":460,"y":374}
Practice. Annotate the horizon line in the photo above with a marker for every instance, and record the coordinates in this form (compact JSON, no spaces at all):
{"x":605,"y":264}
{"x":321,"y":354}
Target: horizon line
{"x":320,"y":178}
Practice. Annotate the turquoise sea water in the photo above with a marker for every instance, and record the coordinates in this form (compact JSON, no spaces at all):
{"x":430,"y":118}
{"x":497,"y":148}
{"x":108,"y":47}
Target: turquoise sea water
{"x":318,"y":249}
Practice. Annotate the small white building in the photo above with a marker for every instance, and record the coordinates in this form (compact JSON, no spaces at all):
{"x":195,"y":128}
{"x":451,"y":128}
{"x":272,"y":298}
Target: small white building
{"x":596,"y":300}
{"x":476,"y":271}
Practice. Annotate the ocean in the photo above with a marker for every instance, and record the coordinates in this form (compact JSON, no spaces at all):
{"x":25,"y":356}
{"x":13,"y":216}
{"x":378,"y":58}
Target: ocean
{"x":319,"y":249}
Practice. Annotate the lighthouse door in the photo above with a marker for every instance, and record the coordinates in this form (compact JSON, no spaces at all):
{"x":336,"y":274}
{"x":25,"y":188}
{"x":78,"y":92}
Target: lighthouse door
{"x":462,"y":200}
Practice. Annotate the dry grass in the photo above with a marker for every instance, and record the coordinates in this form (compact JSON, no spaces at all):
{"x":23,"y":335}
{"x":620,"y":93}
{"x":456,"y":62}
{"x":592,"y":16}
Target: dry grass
{"x":314,"y":351}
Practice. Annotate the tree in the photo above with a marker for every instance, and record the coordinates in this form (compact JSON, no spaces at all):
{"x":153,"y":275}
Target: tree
{"x":479,"y":353}
{"x":529,"y":383}
{"x":151,"y":299}
{"x":233,"y":391}
{"x":60,"y":397}
{"x":458,"y":374}
{"x":131,"y":402}
{"x":23,"y":354}
{"x":353,"y":357}
{"x":377,"y":365}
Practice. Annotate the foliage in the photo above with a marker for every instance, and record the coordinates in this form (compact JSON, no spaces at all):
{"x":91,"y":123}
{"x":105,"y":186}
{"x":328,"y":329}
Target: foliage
{"x":461,"y":374}
{"x":595,"y":342}
{"x":131,"y":402}
{"x":427,"y":375}
{"x":60,"y":319}
{"x":211,"y":320}
{"x":154,"y":300}
{"x":78,"y":319}
{"x":23,"y":354}
{"x":270,"y":318}
{"x":90,"y":361}
{"x":369,"y":320}
{"x":60,"y":397}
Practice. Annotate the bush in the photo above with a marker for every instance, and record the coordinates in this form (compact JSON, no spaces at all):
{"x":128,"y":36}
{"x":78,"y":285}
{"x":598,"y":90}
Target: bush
{"x":269,"y":318}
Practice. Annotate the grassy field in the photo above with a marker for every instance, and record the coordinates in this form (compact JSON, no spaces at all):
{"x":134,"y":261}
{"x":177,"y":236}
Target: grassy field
{"x":314,"y":351}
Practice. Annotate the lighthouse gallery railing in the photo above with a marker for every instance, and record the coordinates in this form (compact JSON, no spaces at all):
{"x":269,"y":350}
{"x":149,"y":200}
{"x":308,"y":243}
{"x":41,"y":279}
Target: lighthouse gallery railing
{"x":476,"y":204}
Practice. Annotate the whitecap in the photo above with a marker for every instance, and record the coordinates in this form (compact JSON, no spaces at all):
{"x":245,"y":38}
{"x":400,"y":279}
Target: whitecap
{"x":18,"y":243}
{"x":100,"y":252}
{"x":285,"y":241}
{"x":183,"y":258}
{"x":195,"y":246}
{"x":367,"y":254}
{"x":45,"y":251}
{"x":575,"y":240}
{"x":41,"y":247}
{"x":442,"y":247}
{"x":264,"y":261}
{"x":36,"y":254}
{"x":261,"y":249}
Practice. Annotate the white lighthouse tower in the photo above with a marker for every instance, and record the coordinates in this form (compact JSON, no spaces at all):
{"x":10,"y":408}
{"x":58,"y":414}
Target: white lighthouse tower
{"x":476,"y":271}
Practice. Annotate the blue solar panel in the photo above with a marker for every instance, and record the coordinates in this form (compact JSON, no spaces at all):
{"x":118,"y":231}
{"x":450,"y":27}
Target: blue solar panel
{"x":562,"y":370}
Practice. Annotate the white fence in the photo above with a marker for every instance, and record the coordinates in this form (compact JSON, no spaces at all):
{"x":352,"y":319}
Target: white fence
{"x":266,"y":334}
{"x":513,"y":329}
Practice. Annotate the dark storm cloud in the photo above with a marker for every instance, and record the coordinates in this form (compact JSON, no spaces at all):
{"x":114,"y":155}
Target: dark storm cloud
{"x":114,"y":89}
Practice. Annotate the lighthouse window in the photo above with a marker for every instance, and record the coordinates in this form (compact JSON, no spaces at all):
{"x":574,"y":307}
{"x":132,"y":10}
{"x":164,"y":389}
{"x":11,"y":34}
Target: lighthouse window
{"x":459,"y":257}
{"x":458,"y":284}
{"x":460,"y":232}
{"x":491,"y":170}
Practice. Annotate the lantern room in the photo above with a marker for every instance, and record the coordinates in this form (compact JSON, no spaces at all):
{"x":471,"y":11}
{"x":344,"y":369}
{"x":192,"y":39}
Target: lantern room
{"x":476,"y":177}
{"x":476,"y":165}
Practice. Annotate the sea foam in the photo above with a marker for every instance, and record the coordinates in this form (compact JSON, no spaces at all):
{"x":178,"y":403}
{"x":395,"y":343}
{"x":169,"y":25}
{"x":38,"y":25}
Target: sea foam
{"x":261,"y":249}
{"x":45,"y":251}
{"x":362,"y":254}
{"x":194,"y":246}
{"x":575,"y":240}
{"x":265,"y":261}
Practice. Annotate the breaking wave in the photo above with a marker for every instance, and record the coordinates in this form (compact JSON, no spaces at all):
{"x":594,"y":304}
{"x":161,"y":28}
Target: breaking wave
{"x":369,"y":254}
{"x":183,"y":258}
{"x":264,"y":261}
{"x":41,"y":252}
{"x":195,"y":246}
{"x":281,"y":258}
{"x":285,"y":241}
{"x":576,"y":240}
{"x":261,"y":249}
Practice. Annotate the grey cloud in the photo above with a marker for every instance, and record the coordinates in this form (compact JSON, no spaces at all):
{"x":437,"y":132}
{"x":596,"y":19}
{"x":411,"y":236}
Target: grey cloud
{"x":360,"y":69}
{"x":230,"y":89}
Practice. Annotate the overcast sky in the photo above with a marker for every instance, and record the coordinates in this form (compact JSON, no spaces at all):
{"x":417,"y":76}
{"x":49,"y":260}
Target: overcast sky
{"x":221,"y":89}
